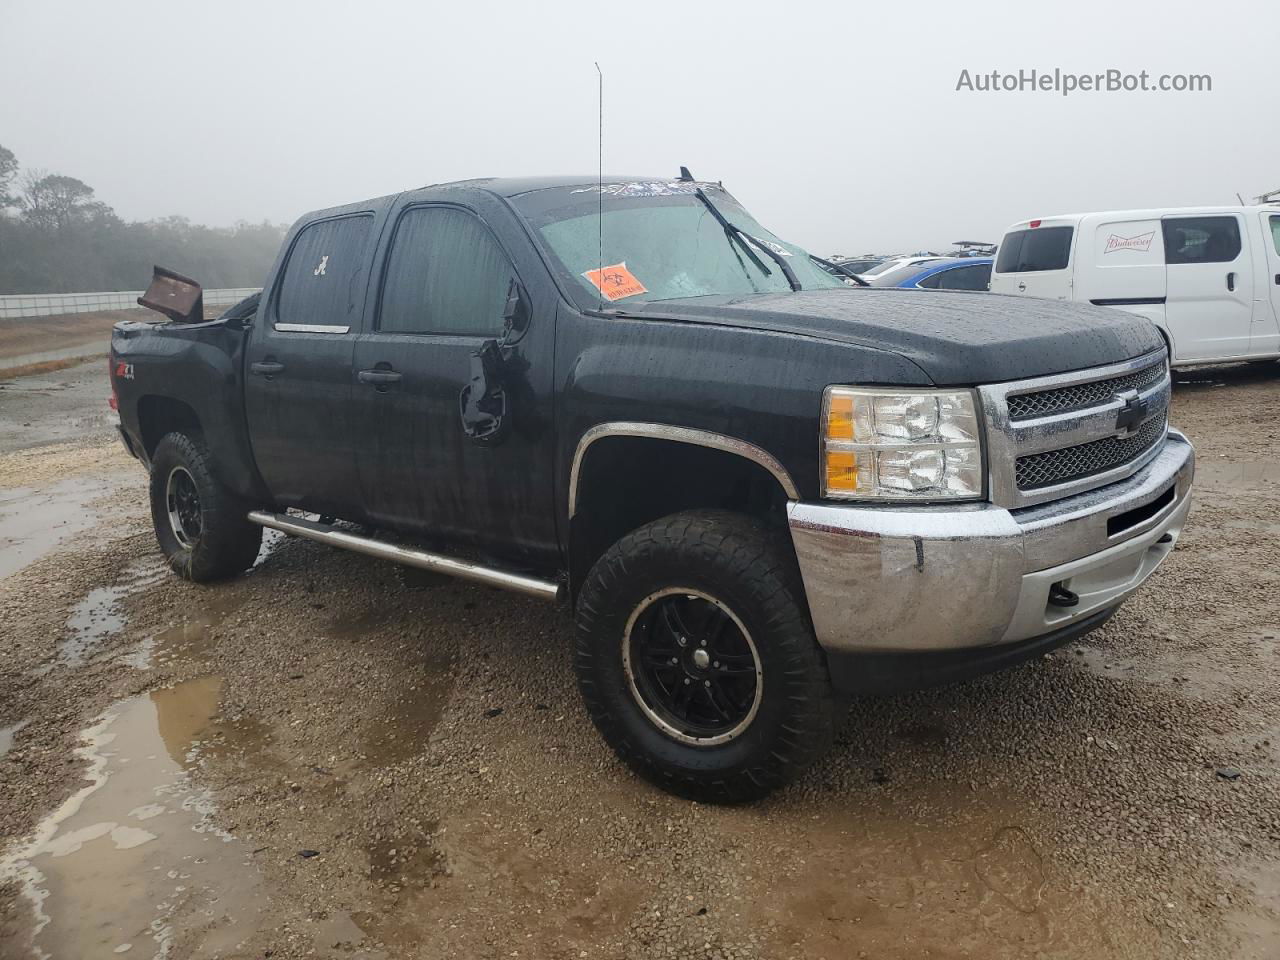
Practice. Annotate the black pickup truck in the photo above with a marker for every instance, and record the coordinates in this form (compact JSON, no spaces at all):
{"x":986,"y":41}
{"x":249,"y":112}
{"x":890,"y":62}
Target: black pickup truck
{"x":760,"y":489}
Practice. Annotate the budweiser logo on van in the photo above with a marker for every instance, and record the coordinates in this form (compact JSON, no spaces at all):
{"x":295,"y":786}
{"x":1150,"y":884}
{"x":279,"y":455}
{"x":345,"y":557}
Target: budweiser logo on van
{"x":1142,"y":242}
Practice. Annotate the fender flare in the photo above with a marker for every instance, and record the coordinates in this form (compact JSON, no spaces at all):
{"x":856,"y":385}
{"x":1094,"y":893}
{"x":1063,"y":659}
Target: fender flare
{"x":689,"y":435}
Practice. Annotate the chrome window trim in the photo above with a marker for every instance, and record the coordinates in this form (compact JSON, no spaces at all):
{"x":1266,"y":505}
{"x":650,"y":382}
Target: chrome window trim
{"x":663,"y":431}
{"x":1009,"y":439}
{"x":310,"y":328}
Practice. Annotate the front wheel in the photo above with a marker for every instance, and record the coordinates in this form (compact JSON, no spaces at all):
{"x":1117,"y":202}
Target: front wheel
{"x":696,"y":659}
{"x":200,"y":525}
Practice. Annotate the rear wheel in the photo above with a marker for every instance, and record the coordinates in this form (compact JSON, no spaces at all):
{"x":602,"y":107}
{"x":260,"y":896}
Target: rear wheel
{"x":200,"y":525}
{"x":696,"y":659}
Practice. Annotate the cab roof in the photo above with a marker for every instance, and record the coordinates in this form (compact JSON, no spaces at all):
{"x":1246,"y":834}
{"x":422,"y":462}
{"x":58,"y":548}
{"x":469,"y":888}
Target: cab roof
{"x":499,"y":186}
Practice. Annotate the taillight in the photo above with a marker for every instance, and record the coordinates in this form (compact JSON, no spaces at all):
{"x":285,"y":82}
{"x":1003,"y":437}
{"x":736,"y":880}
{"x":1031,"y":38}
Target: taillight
{"x":113,"y":401}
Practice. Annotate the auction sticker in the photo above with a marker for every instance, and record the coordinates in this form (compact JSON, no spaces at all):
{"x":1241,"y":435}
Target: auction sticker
{"x":615,"y":282}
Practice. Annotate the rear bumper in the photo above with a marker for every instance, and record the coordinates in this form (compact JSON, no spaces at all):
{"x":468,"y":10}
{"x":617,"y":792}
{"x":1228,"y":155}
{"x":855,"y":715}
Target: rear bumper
{"x":928,"y":579}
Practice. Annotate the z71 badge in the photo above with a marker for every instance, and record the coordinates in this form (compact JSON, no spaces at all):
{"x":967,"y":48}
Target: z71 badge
{"x":124,"y":371}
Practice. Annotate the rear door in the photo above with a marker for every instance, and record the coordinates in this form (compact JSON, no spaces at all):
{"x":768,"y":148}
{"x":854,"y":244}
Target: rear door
{"x":426,"y":464}
{"x":1208,"y":286}
{"x":1035,"y":260}
{"x":1266,"y":308}
{"x":298,"y":377}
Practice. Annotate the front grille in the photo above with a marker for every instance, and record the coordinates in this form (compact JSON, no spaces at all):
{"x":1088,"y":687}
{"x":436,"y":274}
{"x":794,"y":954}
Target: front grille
{"x":1086,"y":459}
{"x":1081,"y":396}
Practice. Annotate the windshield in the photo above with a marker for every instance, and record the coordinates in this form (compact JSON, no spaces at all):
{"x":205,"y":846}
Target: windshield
{"x":657,"y":241}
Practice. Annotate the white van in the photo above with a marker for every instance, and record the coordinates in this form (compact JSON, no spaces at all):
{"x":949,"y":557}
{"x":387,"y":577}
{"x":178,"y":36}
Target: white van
{"x":1208,"y":277}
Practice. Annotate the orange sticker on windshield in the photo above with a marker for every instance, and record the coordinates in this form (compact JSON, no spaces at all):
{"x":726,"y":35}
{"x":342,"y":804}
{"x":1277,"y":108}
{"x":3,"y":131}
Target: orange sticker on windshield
{"x":615,"y":282}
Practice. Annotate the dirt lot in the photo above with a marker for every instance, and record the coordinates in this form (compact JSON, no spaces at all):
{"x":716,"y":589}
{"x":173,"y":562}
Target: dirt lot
{"x":316,"y":760}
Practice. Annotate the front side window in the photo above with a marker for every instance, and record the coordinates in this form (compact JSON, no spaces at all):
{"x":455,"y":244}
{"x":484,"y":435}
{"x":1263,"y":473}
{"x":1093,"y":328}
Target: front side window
{"x":640,"y":241}
{"x":1201,"y":239}
{"x":1035,"y":249}
{"x":324,"y":280}
{"x":445,"y":274}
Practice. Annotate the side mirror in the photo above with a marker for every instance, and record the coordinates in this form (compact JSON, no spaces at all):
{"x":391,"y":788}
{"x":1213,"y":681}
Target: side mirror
{"x":516,"y":314}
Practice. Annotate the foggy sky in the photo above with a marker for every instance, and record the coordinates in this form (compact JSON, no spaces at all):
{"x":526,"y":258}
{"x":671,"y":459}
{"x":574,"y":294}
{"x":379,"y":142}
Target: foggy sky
{"x":837,"y":125}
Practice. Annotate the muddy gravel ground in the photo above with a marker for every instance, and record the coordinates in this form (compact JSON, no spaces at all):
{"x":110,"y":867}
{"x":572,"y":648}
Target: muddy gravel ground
{"x":321,"y":759}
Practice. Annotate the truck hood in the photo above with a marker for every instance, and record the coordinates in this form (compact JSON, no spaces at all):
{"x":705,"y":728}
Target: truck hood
{"x":955,"y":338}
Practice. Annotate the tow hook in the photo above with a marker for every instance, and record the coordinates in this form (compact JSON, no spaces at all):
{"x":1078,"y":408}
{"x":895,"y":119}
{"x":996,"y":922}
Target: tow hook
{"x":1060,"y":596}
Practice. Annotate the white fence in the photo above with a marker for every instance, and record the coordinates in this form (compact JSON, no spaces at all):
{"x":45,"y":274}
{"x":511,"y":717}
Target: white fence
{"x":17,"y":305}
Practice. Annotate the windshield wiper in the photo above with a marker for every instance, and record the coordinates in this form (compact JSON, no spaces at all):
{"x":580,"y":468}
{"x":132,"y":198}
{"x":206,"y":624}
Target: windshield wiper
{"x":839,"y":268}
{"x":746,"y":242}
{"x":779,"y":259}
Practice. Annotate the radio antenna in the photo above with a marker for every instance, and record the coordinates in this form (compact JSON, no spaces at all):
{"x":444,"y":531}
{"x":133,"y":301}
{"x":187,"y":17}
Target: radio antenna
{"x":600,"y":187}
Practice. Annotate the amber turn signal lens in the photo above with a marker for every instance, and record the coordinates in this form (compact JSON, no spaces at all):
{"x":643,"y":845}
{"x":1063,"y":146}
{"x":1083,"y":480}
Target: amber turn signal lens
{"x":842,"y":470}
{"x":839,"y":416}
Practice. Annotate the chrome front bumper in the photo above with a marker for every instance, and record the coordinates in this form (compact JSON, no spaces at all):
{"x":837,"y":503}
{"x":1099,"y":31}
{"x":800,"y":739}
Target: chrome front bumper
{"x":894,"y":580}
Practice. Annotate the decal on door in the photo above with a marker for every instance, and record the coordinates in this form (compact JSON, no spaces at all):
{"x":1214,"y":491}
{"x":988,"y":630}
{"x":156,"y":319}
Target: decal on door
{"x":615,"y":282}
{"x":319,"y":270}
{"x":1141,"y":242}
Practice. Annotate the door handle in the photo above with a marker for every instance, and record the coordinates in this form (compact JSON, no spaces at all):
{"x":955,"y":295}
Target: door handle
{"x":266,"y":368}
{"x":1231,"y":281}
{"x":1278,"y":279}
{"x":379,"y":378}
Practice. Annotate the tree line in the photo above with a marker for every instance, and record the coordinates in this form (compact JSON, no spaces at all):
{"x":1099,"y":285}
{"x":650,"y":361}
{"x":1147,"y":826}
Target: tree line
{"x":57,"y":237}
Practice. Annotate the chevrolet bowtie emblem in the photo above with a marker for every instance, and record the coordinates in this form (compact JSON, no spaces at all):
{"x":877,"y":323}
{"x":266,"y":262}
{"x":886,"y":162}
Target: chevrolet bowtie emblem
{"x":1133,"y":412}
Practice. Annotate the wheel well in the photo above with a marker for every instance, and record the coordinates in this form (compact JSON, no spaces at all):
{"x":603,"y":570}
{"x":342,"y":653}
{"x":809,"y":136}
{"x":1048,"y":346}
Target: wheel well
{"x":625,"y":482}
{"x":160,"y":415}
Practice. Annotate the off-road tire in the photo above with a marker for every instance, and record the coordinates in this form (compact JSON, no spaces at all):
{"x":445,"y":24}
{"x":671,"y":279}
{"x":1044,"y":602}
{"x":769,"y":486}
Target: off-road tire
{"x":227,"y":542}
{"x":740,"y":563}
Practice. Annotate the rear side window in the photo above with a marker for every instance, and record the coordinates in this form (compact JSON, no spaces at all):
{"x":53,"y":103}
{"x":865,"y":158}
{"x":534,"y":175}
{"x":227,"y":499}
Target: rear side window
{"x":974,"y":277}
{"x":446,"y":274}
{"x":1201,"y":239}
{"x":1275,"y":232}
{"x":1038,"y":248}
{"x":323,"y":281}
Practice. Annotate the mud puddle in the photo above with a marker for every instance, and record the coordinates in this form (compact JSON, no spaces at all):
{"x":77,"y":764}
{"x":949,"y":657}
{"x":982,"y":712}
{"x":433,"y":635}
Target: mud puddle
{"x":1256,"y":928}
{"x":1187,"y":674}
{"x":100,"y":616}
{"x":972,"y":882}
{"x":33,"y":522}
{"x":133,"y":862}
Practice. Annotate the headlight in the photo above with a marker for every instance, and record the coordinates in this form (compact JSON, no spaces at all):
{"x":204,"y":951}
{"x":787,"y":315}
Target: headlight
{"x":900,"y":445}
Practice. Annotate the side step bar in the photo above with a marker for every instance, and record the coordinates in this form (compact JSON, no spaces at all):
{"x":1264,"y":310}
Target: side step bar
{"x":436,"y":563}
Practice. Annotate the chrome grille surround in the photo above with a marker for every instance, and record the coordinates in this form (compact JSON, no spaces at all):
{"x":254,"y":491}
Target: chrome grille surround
{"x":1010,"y":440}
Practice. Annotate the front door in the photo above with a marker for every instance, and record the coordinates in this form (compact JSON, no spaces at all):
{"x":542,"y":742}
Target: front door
{"x":433,"y":459}
{"x":1208,"y":287}
{"x":298,"y":368}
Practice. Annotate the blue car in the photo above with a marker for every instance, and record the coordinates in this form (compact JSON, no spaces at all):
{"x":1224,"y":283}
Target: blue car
{"x":948,"y":273}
